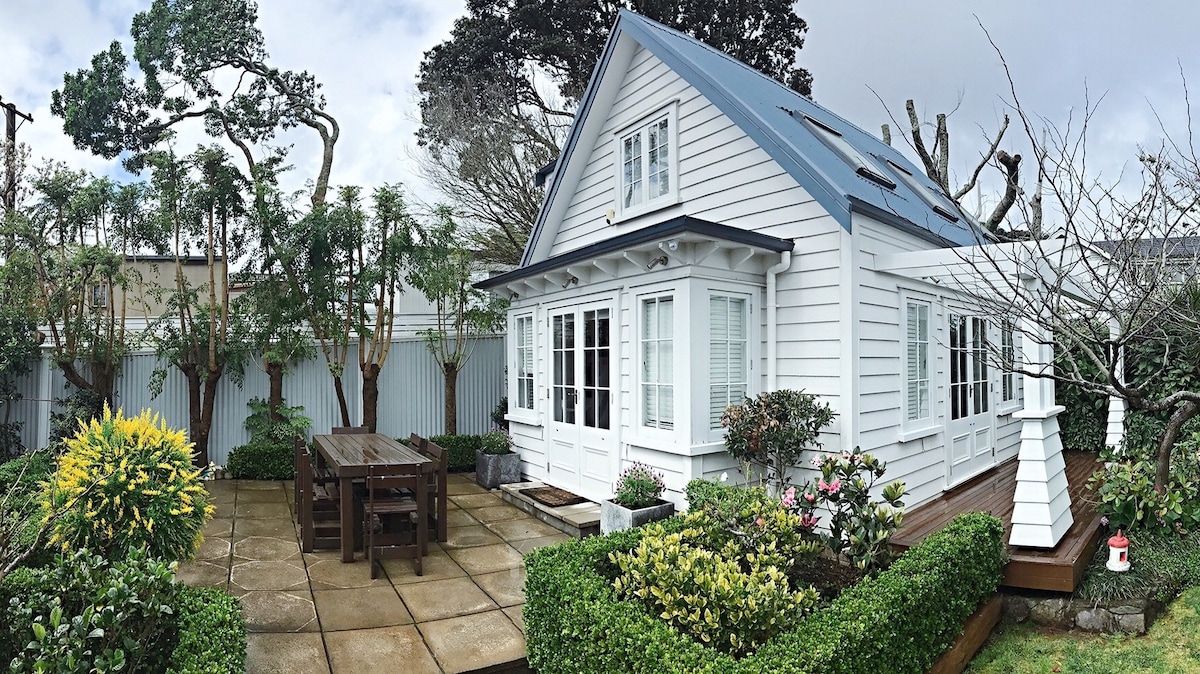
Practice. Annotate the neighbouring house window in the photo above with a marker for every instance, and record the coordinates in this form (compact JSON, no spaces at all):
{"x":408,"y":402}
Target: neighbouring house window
{"x":728,"y":367}
{"x":917,"y":405}
{"x":99,"y":295}
{"x":525,"y":362}
{"x":1008,"y":355}
{"x":657,"y":342}
{"x":646,"y":159}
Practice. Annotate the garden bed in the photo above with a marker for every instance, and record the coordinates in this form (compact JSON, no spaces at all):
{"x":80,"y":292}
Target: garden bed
{"x":899,"y":621}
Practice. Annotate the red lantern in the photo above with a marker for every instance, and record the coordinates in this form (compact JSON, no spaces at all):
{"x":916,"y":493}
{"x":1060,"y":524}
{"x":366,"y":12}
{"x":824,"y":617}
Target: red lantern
{"x":1118,"y":553}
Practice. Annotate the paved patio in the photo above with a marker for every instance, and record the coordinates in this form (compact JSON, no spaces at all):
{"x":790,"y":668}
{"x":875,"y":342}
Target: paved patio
{"x":310,"y":613}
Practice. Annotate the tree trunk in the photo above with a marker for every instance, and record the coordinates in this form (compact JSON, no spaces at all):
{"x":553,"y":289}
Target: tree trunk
{"x":450,"y":371}
{"x":201,"y":433}
{"x":341,"y":396}
{"x":104,"y":381}
{"x":194,"y":422}
{"x":1162,"y":468}
{"x":370,"y":395}
{"x":275,"y":394}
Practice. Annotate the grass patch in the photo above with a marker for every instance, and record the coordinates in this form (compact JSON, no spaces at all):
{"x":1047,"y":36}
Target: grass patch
{"x":1170,"y":646}
{"x":1162,"y":566}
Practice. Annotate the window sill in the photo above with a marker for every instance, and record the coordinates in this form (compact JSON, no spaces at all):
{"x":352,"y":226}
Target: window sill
{"x":1006,"y":410}
{"x":529,"y":419}
{"x":662,"y":203}
{"x":918,"y":433}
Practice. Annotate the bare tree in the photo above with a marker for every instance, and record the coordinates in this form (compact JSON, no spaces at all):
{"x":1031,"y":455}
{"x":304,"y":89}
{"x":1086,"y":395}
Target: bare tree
{"x":485,"y":166}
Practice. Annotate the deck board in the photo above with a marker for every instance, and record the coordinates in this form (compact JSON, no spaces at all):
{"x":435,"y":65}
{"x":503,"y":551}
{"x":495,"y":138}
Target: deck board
{"x":1057,"y":569}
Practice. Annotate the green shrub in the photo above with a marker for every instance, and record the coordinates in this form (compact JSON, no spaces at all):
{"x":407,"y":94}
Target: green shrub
{"x":706,"y":593}
{"x":89,"y":614}
{"x":639,"y":486}
{"x":212,"y":633}
{"x":270,"y":454}
{"x":1125,"y":492}
{"x":21,"y":517}
{"x":461,"y":449}
{"x":899,"y":621}
{"x":262,"y":461}
{"x":772,"y":430}
{"x":127,"y":483}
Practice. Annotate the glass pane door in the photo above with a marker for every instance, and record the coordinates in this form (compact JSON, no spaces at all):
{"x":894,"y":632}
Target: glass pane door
{"x":562,"y":386}
{"x":596,"y":368}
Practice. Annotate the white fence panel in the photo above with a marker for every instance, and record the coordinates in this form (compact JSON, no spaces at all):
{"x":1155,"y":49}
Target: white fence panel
{"x":411,"y":394}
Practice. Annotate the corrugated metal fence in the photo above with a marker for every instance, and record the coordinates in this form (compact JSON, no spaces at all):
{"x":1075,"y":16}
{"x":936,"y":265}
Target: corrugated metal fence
{"x":411,"y":394}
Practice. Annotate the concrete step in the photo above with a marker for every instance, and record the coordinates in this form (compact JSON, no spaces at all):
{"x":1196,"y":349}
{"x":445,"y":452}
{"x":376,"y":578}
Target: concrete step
{"x":578,"y":520}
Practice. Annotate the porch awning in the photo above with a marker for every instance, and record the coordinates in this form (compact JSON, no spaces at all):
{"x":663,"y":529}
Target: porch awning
{"x":683,"y":229}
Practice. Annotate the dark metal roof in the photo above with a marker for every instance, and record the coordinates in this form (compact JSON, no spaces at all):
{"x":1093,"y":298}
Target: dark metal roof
{"x":684,"y":224}
{"x":1171,"y":247}
{"x":544,"y":172}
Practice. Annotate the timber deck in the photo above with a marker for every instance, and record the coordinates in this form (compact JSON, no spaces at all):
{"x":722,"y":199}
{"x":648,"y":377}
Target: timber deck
{"x":1058,"y":569}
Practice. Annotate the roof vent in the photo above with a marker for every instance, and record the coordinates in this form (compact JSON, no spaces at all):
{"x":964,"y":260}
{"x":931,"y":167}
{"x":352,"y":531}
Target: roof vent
{"x":936,"y":202}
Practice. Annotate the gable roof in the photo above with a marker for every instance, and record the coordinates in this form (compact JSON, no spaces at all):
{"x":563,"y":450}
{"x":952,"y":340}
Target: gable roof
{"x":773,"y":116}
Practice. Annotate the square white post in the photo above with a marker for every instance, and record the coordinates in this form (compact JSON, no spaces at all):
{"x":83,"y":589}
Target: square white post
{"x":1114,"y":434}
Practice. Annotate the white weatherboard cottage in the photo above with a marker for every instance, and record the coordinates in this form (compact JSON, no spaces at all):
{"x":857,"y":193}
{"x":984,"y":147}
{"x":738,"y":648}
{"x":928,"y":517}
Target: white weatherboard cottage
{"x":709,"y":234}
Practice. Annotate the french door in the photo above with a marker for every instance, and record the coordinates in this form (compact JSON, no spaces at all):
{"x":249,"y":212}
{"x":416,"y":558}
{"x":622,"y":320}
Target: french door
{"x":581,"y":436}
{"x":970,"y":447}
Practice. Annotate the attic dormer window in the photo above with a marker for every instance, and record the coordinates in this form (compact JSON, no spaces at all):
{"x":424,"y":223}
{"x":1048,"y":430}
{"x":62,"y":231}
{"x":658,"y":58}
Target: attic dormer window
{"x":646,"y":158}
{"x":833,"y":139}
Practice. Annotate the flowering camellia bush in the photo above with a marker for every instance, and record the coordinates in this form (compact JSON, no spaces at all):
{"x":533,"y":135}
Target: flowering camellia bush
{"x":858,"y":528}
{"x":639,"y":486}
{"x":126,"y":484}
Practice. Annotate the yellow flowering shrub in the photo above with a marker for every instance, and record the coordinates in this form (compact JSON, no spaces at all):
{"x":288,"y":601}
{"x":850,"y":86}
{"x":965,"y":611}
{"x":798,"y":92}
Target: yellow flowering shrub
{"x":126,"y":483}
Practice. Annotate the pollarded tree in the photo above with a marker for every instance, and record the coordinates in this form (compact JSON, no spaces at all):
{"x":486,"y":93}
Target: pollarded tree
{"x":442,"y":270}
{"x":201,"y":200}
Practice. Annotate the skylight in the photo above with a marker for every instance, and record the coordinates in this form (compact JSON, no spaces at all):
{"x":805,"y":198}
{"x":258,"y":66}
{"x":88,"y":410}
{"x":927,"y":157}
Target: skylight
{"x":937,"y":203}
{"x":857,"y":160}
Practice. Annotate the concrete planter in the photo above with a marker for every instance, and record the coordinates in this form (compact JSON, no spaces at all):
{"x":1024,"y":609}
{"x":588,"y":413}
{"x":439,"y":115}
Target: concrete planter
{"x":493,"y":470}
{"x":615,"y":517}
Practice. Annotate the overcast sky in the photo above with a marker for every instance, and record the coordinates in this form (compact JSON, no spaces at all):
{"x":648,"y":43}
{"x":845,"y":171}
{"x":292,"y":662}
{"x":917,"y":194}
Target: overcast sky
{"x":366,"y":53}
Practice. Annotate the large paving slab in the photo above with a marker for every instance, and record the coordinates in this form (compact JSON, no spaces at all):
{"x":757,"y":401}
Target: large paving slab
{"x":312,"y":613}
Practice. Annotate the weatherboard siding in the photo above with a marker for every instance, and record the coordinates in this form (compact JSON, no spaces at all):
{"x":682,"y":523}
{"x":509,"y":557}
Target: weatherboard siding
{"x":723,"y":176}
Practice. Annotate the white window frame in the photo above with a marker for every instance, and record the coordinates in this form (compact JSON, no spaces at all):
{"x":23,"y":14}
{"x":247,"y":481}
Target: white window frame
{"x":676,"y":343}
{"x":1010,"y":354}
{"x":520,"y":350}
{"x":747,"y":343}
{"x":912,"y":429}
{"x":525,"y":415}
{"x":641,"y":127}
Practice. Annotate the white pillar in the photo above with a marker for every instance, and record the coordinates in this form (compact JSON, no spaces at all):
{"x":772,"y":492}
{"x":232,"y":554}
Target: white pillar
{"x":1114,"y":435}
{"x":1041,"y":504}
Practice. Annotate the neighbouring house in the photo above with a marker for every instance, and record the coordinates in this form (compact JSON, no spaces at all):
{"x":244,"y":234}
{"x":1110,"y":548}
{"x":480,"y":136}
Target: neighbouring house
{"x":709,"y":234}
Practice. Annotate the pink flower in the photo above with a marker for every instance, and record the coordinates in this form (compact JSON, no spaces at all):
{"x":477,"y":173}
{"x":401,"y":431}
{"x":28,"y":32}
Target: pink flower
{"x":817,"y":461}
{"x":808,"y":521}
{"x":837,"y":485}
{"x":760,"y":522}
{"x":789,"y":497}
{"x":810,"y":498}
{"x":821,"y":486}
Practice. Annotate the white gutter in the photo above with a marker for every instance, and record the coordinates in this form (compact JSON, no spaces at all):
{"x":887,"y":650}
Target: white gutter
{"x":785,"y":261}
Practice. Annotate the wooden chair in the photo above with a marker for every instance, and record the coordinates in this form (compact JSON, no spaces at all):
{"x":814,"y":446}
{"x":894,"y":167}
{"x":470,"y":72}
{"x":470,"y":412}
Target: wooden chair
{"x":316,"y":506}
{"x":398,"y":535}
{"x":435,"y":482}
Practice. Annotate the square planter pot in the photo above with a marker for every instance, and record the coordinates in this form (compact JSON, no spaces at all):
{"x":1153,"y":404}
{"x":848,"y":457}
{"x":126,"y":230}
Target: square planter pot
{"x":615,"y":517}
{"x":493,"y":470}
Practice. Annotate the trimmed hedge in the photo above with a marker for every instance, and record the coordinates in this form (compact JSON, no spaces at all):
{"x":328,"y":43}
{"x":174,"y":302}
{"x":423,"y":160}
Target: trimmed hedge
{"x":212,"y":633}
{"x":899,"y":621}
{"x":262,"y":460}
{"x":461,"y":448}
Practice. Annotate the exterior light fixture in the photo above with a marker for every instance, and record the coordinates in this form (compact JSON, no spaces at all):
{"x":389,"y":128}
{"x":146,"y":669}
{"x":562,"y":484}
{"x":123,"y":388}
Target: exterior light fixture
{"x":661,"y":259}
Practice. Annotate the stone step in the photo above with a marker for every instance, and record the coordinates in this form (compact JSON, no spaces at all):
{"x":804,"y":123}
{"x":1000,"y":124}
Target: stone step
{"x":580,"y":520}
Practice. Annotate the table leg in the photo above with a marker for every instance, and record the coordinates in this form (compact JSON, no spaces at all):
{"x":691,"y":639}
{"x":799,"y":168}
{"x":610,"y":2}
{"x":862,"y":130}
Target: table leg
{"x":346,"y":487}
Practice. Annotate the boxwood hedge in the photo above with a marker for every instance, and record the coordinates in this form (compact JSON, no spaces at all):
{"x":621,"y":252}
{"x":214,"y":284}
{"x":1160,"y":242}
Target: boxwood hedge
{"x":899,"y":621}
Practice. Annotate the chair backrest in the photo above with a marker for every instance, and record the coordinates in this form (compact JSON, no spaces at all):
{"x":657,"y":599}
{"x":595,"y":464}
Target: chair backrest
{"x":437,"y":453}
{"x":417,"y":442}
{"x":350,"y":430}
{"x":403,"y":476}
{"x":299,"y":462}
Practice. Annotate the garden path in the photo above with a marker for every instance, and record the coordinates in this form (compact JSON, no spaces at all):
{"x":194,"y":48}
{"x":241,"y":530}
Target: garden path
{"x":312,"y":613}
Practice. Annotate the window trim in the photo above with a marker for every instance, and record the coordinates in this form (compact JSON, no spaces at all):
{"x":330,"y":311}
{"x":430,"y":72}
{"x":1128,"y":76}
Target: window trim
{"x":525,"y":415}
{"x":517,"y":374}
{"x":1016,"y":402}
{"x":676,"y":418}
{"x":670,"y":112}
{"x":911,"y":429}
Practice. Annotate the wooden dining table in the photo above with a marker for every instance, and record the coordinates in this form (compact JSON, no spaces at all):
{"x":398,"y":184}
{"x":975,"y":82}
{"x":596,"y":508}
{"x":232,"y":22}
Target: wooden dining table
{"x":349,"y":456}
